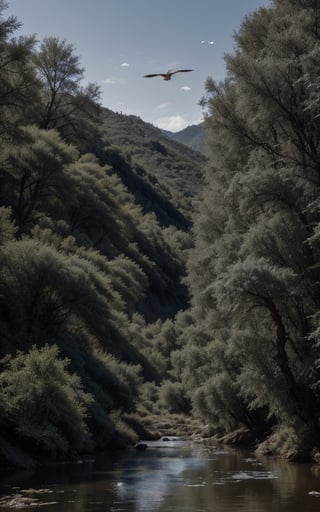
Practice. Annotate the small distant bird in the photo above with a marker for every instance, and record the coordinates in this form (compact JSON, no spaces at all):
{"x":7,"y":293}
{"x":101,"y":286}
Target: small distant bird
{"x":168,"y":74}
{"x":209,"y":42}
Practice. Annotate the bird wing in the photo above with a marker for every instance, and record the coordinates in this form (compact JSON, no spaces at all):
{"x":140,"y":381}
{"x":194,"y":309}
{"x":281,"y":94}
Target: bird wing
{"x":153,"y":74}
{"x":181,"y":71}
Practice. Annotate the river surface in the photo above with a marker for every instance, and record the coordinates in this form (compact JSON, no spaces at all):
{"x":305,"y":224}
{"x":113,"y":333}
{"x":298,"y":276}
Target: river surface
{"x":170,"y":476}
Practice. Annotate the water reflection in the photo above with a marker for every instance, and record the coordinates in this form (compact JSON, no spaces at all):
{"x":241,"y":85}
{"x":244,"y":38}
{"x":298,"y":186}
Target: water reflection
{"x":151,"y":478}
{"x":172,"y":476}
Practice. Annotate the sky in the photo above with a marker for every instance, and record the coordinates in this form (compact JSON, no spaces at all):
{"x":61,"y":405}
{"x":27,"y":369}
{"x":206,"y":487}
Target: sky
{"x":119,"y":41}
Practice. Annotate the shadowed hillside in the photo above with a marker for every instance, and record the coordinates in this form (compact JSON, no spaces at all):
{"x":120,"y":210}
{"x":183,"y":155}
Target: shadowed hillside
{"x":172,"y":170}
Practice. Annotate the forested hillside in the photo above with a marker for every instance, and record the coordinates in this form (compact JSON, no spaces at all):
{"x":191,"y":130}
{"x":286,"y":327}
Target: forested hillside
{"x":133,"y":286}
{"x":173,"y":170}
{"x":92,"y":250}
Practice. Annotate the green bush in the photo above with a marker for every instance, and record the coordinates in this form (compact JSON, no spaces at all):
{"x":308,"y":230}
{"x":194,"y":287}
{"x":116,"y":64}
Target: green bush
{"x":173,"y":396}
{"x":124,"y":431}
{"x":43,"y":404}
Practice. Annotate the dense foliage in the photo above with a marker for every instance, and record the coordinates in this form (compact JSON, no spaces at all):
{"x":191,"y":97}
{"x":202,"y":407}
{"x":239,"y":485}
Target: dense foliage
{"x":250,"y":355}
{"x":172,"y":170}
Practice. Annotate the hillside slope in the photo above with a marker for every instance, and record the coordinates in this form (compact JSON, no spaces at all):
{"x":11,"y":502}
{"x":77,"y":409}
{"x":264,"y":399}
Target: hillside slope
{"x":172,"y":170}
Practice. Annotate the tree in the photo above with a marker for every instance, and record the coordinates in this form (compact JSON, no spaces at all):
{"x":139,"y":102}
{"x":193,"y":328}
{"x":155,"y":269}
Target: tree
{"x":66,"y":105}
{"x":19,"y":87}
{"x":253,"y":273}
{"x":44,"y":404}
{"x":37,"y":176}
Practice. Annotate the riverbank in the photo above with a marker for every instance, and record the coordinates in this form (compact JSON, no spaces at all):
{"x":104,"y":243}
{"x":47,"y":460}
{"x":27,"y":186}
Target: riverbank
{"x":280,"y":443}
{"x":174,"y":425}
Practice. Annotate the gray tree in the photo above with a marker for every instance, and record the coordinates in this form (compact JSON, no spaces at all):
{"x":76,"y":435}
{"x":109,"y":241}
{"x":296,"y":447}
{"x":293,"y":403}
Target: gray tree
{"x":18,"y":83}
{"x":254,"y":273}
{"x":66,"y":105}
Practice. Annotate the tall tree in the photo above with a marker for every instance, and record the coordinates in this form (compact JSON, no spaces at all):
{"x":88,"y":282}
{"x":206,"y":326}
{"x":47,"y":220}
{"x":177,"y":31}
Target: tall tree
{"x":67,"y":105}
{"x":253,"y":273}
{"x":18,"y":83}
{"x":36,"y":175}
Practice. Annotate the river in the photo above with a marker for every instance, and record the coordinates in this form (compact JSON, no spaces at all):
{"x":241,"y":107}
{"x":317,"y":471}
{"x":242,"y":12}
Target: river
{"x":170,"y":476}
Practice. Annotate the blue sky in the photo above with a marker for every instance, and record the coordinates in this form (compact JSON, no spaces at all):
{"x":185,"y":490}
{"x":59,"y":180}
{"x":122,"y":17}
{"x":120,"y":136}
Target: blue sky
{"x":118,"y":41}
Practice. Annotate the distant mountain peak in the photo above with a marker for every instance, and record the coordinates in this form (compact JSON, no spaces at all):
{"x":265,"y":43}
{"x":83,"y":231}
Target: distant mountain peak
{"x":193,"y":136}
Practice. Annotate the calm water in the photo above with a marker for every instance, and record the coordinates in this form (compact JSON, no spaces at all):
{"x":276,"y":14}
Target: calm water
{"x":170,"y":476}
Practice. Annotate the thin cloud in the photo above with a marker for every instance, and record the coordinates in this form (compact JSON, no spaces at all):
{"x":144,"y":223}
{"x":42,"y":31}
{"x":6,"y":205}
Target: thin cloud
{"x":172,"y":123}
{"x":185,"y":88}
{"x":162,"y":106}
{"x":125,"y":65}
{"x":108,"y":81}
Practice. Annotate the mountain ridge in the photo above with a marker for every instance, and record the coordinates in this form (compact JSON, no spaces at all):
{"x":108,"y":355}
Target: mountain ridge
{"x":193,"y":136}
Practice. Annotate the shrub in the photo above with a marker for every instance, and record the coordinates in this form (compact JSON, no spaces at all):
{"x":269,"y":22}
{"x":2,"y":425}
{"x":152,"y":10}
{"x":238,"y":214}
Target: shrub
{"x":124,"y":432}
{"x":43,"y":403}
{"x":173,"y":395}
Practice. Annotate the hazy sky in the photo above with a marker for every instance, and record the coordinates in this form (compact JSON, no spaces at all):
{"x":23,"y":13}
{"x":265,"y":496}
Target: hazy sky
{"x":118,"y":41}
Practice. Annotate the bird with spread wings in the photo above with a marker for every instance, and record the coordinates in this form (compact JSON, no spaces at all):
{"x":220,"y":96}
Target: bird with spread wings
{"x":168,"y":74}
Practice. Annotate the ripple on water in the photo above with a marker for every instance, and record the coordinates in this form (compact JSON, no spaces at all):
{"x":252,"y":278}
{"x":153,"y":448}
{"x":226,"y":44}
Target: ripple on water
{"x":255,"y":475}
{"x":202,"y":484}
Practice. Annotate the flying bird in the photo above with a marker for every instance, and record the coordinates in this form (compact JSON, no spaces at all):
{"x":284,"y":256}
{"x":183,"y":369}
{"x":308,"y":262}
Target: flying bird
{"x":168,"y":74}
{"x":209,"y":42}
